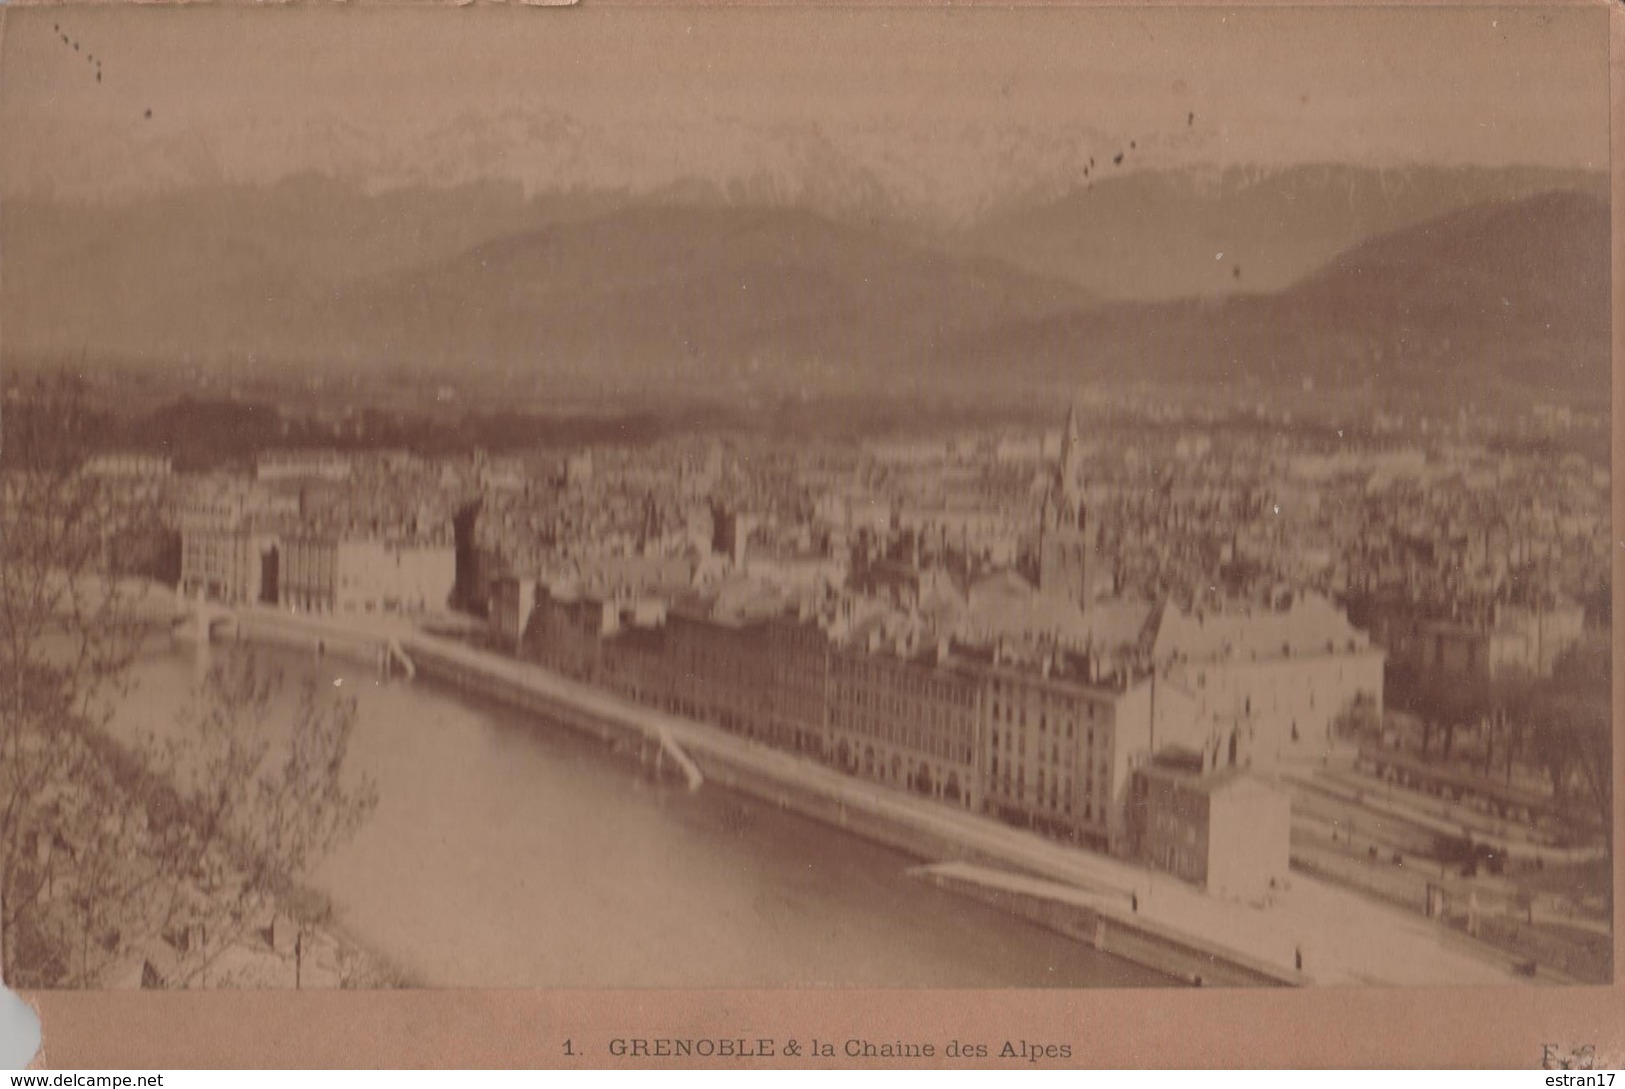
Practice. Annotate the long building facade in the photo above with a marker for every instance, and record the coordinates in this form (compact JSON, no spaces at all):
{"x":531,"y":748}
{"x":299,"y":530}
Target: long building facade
{"x":227,"y":565}
{"x":910,"y":720}
{"x":1041,"y":744}
{"x":1059,"y":749}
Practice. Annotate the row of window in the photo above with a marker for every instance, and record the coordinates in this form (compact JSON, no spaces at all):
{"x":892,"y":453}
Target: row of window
{"x":904,"y":681}
{"x":1057,"y":800}
{"x":888,"y":699}
{"x":1024,"y":692}
{"x":888,"y":730}
{"x":1062,"y":776}
{"x":936,"y":719}
{"x":1018,"y":740}
{"x":1019,"y":720}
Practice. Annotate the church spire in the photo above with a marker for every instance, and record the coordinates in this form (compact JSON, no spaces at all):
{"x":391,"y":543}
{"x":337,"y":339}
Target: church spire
{"x":1066,"y":537}
{"x":1071,"y":451}
{"x":1064,"y":486}
{"x":1063,"y":502}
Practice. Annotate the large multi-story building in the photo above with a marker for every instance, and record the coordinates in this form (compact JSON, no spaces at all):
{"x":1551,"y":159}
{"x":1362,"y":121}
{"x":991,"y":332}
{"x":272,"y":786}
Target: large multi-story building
{"x":1060,"y":745}
{"x":380,"y":576}
{"x":1225,"y":830}
{"x":1270,"y":682}
{"x":760,"y":673}
{"x":567,"y":630}
{"x":309,"y":573}
{"x":906,"y":714}
{"x":757,"y":668}
{"x":364,"y":575}
{"x":233,"y":566}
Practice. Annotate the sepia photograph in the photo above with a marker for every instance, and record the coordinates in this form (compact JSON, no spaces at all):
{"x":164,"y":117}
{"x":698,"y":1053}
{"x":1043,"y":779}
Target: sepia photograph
{"x":805,"y":498}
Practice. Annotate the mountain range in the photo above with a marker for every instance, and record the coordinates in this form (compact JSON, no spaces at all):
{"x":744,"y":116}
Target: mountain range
{"x":1508,"y":295}
{"x":1434,"y":277}
{"x":1201,"y":232}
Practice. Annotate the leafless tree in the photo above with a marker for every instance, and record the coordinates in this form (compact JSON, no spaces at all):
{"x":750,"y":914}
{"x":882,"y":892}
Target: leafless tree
{"x":1570,"y":734}
{"x":113,"y":847}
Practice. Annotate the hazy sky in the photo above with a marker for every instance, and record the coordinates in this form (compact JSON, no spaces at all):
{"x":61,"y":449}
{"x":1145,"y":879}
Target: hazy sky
{"x":946,"y":106}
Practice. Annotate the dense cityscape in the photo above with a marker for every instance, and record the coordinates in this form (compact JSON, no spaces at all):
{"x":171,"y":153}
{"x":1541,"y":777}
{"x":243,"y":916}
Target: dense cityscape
{"x":1223,"y":648}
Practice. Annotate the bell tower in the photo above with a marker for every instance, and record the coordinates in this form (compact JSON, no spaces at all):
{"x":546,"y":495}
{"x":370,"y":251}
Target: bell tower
{"x":1067,"y":536}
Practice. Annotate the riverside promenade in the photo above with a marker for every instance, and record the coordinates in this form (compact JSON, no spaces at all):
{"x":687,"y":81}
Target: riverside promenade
{"x":1342,"y":938}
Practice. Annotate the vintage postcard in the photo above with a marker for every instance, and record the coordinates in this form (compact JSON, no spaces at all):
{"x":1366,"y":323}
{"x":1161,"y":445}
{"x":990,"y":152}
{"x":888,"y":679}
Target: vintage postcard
{"x":808,"y":536}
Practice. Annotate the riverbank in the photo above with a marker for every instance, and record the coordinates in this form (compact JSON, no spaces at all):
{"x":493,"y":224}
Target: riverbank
{"x":319,"y":955}
{"x":289,"y":939}
{"x":1340,"y":938}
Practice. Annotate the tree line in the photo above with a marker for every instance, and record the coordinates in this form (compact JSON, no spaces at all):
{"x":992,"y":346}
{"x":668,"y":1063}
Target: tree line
{"x":1559,"y":725}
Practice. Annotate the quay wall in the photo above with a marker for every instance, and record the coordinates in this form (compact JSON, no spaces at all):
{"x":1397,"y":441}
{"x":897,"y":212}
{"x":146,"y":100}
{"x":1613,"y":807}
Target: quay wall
{"x":351,"y":647}
{"x":849,"y":811}
{"x":1135,"y":939}
{"x":864,"y":809}
{"x":618,"y":734}
{"x":749,"y":767}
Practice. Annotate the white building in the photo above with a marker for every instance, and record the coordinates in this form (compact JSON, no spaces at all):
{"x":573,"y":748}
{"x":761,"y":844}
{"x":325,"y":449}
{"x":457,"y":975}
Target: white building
{"x":374,"y":576}
{"x":366,"y":575}
{"x":1269,"y":683}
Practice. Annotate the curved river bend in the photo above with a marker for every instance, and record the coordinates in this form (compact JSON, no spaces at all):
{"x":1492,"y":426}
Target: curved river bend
{"x":505,"y":853}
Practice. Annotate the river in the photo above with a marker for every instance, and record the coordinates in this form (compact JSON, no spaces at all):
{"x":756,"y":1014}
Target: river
{"x":506,"y":852}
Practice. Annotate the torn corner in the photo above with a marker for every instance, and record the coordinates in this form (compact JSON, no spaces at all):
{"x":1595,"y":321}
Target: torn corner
{"x":21,"y":1032}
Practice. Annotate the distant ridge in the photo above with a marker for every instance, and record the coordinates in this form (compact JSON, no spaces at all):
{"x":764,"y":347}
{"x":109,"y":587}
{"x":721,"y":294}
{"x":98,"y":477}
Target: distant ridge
{"x":1510,"y":295}
{"x":593,"y":293}
{"x":760,"y":296}
{"x":1210,"y":231}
